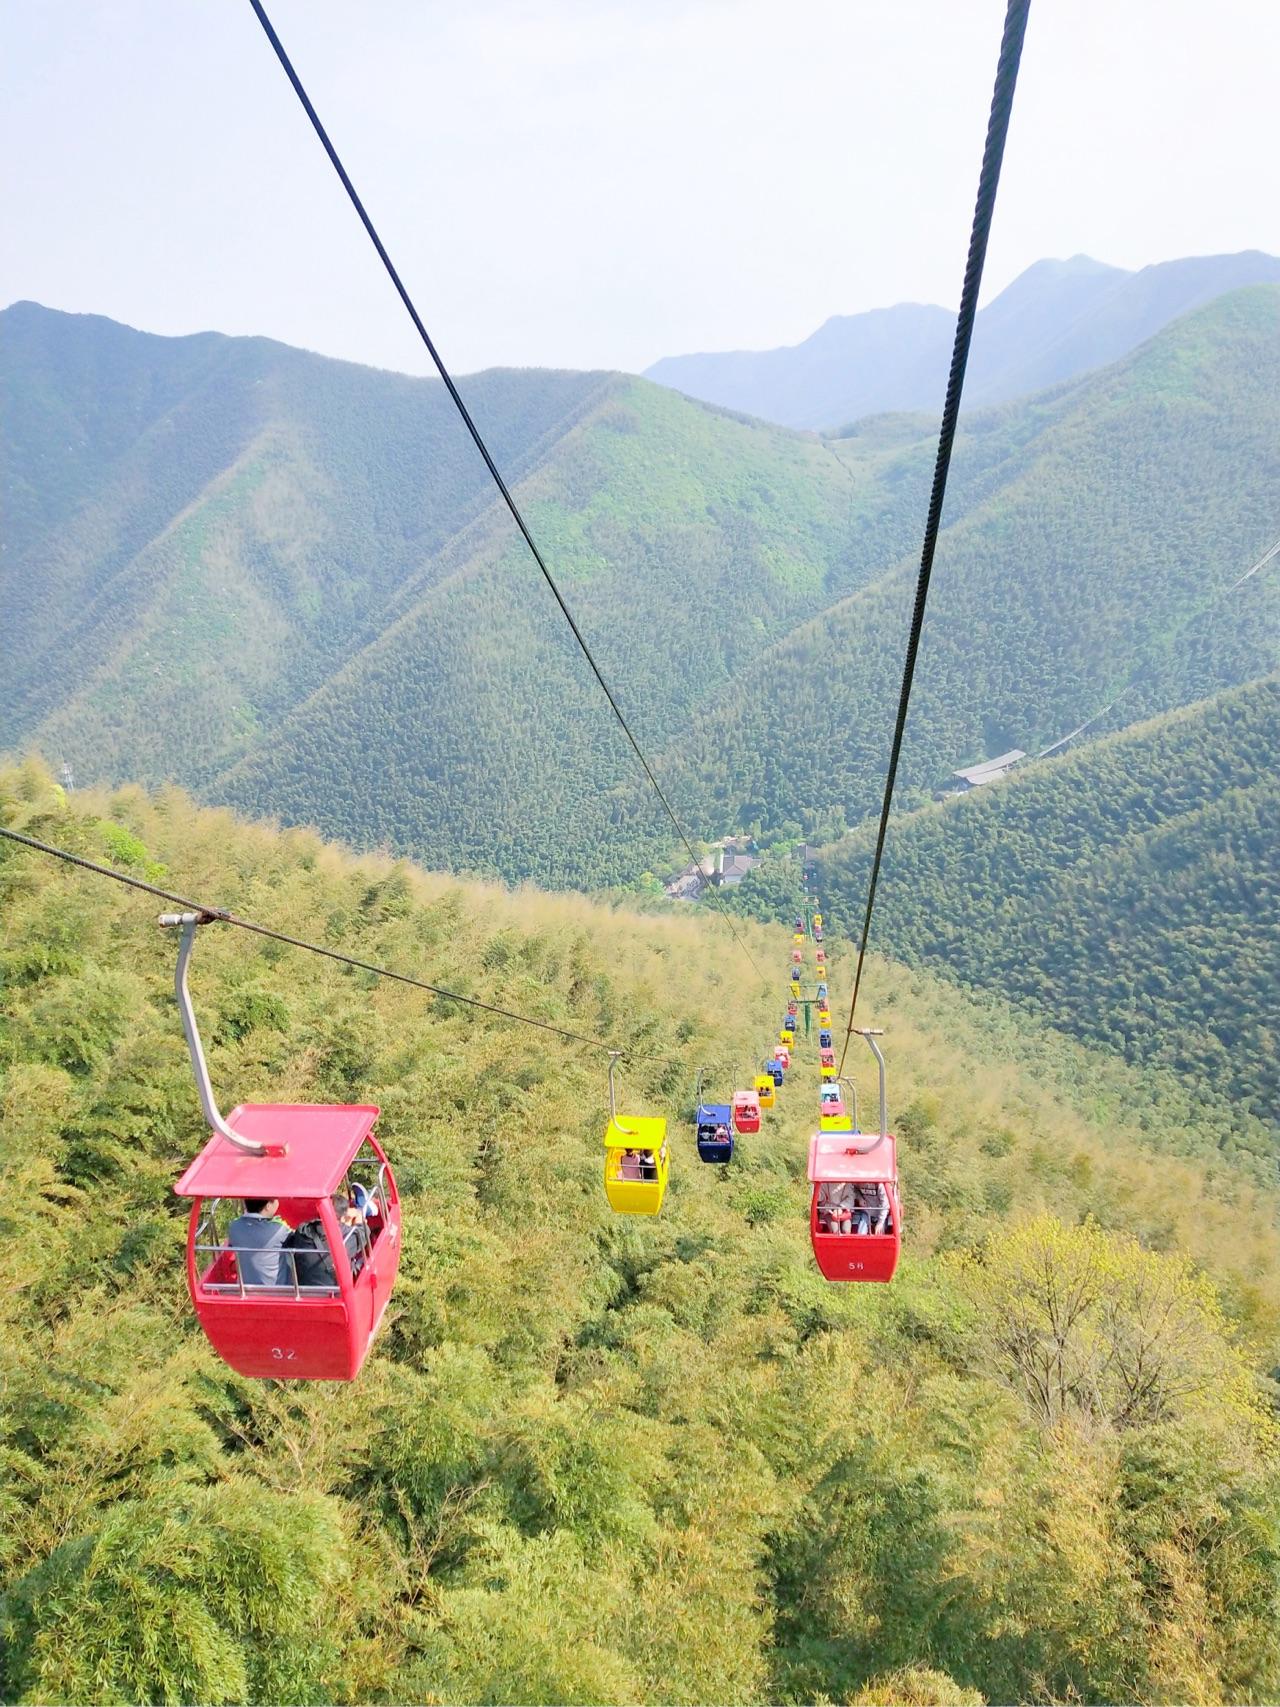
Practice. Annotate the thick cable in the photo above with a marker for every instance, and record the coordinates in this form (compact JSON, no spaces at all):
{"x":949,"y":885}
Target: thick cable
{"x":481,"y":446}
{"x":1015,"y":25}
{"x":220,"y":915}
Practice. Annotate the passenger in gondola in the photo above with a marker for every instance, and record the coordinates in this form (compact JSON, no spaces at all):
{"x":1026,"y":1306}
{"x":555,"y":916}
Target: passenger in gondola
{"x":870,"y":1209}
{"x":356,"y":1236}
{"x":258,"y":1240}
{"x":308,"y":1244}
{"x":721,"y":1134}
{"x":648,"y":1165}
{"x":629,"y":1165}
{"x":835,"y":1206}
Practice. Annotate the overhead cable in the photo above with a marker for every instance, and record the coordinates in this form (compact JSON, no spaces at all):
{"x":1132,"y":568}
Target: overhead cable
{"x":1015,"y":25}
{"x":482,"y":447}
{"x":220,"y":915}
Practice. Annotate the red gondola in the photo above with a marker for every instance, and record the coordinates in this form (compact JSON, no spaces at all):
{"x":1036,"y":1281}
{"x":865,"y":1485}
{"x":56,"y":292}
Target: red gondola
{"x":299,"y":1328}
{"x":855,"y":1212}
{"x":746,"y":1111}
{"x":313,"y":1318}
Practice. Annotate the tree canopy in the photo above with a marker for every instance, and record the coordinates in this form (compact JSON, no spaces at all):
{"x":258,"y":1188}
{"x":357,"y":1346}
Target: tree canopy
{"x":592,"y":1459}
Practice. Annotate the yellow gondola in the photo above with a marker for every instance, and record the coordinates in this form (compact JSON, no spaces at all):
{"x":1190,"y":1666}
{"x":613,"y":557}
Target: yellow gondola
{"x":636,"y":1163}
{"x":787,"y":1037}
{"x":828,"y":1073}
{"x":824,"y":1016}
{"x":764,"y":1089}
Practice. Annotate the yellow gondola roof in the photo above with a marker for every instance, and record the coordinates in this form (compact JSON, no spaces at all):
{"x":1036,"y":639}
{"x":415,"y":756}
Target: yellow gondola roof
{"x":636,"y":1132}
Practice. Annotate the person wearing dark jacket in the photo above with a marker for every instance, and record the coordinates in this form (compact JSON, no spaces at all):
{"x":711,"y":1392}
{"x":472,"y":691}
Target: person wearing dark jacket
{"x":309,"y":1246}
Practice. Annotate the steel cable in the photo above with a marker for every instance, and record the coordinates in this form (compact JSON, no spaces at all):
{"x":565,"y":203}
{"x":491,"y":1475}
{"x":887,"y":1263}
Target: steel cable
{"x":1015,"y":25}
{"x":482,"y":447}
{"x":220,"y":915}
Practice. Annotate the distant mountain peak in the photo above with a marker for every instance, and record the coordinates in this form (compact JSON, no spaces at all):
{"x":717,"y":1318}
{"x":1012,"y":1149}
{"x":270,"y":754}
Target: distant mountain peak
{"x":1058,"y":319}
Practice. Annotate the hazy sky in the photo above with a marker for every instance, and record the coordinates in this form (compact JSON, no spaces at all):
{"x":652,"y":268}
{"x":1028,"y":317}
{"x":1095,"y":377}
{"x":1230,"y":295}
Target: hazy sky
{"x":601,"y":182}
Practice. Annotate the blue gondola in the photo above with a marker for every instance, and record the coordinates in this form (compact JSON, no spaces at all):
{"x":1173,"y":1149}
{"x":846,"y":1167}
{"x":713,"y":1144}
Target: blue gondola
{"x":822,"y":992}
{"x":824,"y":1040}
{"x":777,"y":1071}
{"x":713,"y":1118}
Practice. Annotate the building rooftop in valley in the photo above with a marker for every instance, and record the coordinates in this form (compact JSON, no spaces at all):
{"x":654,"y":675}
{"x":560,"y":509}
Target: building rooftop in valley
{"x":736,"y":866}
{"x":990,"y":770}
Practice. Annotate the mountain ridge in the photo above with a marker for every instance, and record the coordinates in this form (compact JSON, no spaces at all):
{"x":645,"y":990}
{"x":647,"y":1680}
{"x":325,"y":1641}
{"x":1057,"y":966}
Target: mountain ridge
{"x":1117,"y":494}
{"x":1021,"y":344}
{"x":342,"y":627}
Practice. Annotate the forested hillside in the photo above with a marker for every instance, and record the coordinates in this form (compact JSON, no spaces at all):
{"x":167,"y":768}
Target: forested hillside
{"x":281,"y":580}
{"x":200,"y":530}
{"x":1112,"y":517}
{"x":219,"y":548}
{"x":1129,"y":892}
{"x":1056,"y":321}
{"x":685,"y":542}
{"x":593,"y":1459}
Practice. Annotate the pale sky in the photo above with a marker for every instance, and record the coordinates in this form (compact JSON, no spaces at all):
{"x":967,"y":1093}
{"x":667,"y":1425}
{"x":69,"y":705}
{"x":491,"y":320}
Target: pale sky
{"x":596,"y":183}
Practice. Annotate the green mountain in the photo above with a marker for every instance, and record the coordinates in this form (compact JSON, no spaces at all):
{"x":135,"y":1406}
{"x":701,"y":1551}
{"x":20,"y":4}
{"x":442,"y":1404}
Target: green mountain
{"x":200,"y":530}
{"x":282,"y":581}
{"x":311,"y":602}
{"x":1128,"y":892}
{"x":684,"y":540}
{"x":1096,"y":533}
{"x":592,"y":1459}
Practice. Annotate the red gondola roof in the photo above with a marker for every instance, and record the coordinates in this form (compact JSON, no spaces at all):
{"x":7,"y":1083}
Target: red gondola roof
{"x":321,"y":1138}
{"x":852,"y":1156}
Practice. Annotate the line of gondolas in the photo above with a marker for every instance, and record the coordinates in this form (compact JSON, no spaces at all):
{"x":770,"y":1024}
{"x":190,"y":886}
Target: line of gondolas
{"x":294,"y":1229}
{"x":855,"y":1209}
